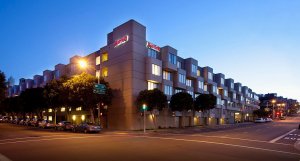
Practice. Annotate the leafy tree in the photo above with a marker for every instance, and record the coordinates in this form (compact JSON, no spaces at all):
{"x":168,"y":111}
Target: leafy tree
{"x":2,"y":86}
{"x":80,"y":92}
{"x":182,"y":102}
{"x":205,"y":102}
{"x":56,"y":95}
{"x":154,"y":99}
{"x":33,"y":100}
{"x":261,"y":113}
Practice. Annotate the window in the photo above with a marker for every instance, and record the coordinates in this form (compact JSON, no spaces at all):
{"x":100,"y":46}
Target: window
{"x":50,"y":110}
{"x":191,"y":93}
{"x":57,"y":73}
{"x":166,"y":75}
{"x":181,"y":78}
{"x":194,"y":68}
{"x":168,"y":90}
{"x":172,"y":58}
{"x":97,"y":73}
{"x":222,"y":81}
{"x":45,"y":78}
{"x":234,"y":95}
{"x":104,"y":57}
{"x":98,"y":60}
{"x":198,"y":73}
{"x":188,"y":82}
{"x":179,"y":65}
{"x":63,"y":109}
{"x":205,"y":88}
{"x":78,"y":109}
{"x":50,"y":118}
{"x":225,"y":93}
{"x":152,"y":85}
{"x":223,"y":102}
{"x":104,"y":72}
{"x":200,"y":84}
{"x":242,"y":98}
{"x":240,"y":88}
{"x":196,"y":95}
{"x":155,"y":69}
{"x":219,"y":102}
{"x":178,"y":90}
{"x":214,"y":89}
{"x":152,"y":53}
{"x":210,"y":76}
{"x":231,"y":85}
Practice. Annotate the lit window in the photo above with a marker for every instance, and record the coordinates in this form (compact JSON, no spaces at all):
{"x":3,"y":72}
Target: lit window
{"x":166,"y":75}
{"x":97,"y":73}
{"x":198,"y":73}
{"x":200,"y":84}
{"x":210,"y":76}
{"x":178,"y":90}
{"x":240,"y":88}
{"x":78,"y":109}
{"x":194,"y":68}
{"x":191,"y":93}
{"x":155,"y":69}
{"x":188,"y":82}
{"x":104,"y":72}
{"x":234,"y":96}
{"x":222,"y":81}
{"x":152,"y":85}
{"x":168,"y":90}
{"x":232,"y":86}
{"x":49,"y":110}
{"x":179,"y":65}
{"x":172,"y":58}
{"x":104,"y":57}
{"x":205,"y":88}
{"x":182,"y":78}
{"x":214,"y":89}
{"x":63,"y":109}
{"x":50,"y":118}
{"x":152,"y":53}
{"x":225,"y":93}
{"x":98,"y":60}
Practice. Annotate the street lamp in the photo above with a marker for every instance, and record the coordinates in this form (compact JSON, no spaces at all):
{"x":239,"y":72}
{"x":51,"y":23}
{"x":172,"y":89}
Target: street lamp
{"x":82,"y":63}
{"x":273,"y":112}
{"x":144,"y":108}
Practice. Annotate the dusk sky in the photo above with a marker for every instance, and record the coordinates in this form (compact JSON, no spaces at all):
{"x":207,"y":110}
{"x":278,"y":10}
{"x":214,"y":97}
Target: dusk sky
{"x":255,"y":42}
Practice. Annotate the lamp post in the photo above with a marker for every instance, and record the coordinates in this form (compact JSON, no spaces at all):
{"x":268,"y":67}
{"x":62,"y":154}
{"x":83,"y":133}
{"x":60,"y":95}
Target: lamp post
{"x":144,"y":108}
{"x":273,"y":112}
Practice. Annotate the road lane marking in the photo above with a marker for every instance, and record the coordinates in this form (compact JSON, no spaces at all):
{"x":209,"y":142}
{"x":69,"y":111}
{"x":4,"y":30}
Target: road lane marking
{"x":282,"y":136}
{"x":4,"y":158}
{"x":225,"y":144}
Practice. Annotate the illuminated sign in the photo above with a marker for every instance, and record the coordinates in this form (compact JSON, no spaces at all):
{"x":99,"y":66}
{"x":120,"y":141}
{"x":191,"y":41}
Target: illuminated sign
{"x":121,"y":41}
{"x":152,"y":46}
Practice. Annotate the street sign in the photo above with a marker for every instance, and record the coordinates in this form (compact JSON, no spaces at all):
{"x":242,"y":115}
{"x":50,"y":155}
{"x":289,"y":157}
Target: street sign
{"x":99,"y":89}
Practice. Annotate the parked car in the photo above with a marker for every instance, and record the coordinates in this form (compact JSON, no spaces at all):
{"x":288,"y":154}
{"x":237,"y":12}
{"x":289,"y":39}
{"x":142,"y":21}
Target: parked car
{"x":268,"y":119}
{"x":46,"y":124}
{"x":282,"y":117}
{"x":21,"y":122}
{"x":64,"y":125}
{"x":16,"y":120}
{"x":35,"y":122}
{"x":87,"y":127}
{"x":27,"y":122}
{"x":259,"y":120}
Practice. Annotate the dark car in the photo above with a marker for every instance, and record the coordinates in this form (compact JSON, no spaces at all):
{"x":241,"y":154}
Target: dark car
{"x":64,"y":125}
{"x":282,"y":117}
{"x":35,"y":122}
{"x":87,"y":127}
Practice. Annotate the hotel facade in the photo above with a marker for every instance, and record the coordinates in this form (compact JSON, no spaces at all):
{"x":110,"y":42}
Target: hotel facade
{"x":131,"y":64}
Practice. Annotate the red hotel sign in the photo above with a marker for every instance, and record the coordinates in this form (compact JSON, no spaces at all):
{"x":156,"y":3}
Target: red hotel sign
{"x":152,"y":46}
{"x":121,"y":41}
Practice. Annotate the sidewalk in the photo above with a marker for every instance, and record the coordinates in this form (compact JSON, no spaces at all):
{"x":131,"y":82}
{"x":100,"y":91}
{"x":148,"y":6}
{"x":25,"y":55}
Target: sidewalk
{"x":185,"y":130}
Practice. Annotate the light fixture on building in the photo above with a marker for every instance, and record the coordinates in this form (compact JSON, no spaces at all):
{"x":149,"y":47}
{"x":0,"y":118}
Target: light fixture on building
{"x":74,"y":117}
{"x":82,"y":117}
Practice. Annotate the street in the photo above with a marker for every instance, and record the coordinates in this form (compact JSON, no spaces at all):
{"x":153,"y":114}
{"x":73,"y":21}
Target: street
{"x":277,"y":140}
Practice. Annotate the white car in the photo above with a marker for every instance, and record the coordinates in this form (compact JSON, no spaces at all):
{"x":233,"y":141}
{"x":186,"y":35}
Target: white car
{"x":259,"y":120}
{"x":268,"y":119}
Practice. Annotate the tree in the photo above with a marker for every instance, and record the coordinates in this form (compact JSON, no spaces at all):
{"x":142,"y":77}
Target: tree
{"x":56,"y":95}
{"x":33,"y":101}
{"x":80,"y":92}
{"x":153,"y":99}
{"x":182,"y":102}
{"x":2,"y":86}
{"x":205,"y":102}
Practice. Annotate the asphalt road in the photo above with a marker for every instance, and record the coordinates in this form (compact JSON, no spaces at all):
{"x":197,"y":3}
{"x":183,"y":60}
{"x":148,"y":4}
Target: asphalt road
{"x":274,"y":141}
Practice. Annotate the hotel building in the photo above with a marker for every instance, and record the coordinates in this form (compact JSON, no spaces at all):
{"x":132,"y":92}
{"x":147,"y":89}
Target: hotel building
{"x":131,"y":64}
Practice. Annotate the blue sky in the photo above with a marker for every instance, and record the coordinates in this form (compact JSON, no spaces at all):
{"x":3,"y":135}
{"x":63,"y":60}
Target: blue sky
{"x":255,"y":42}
